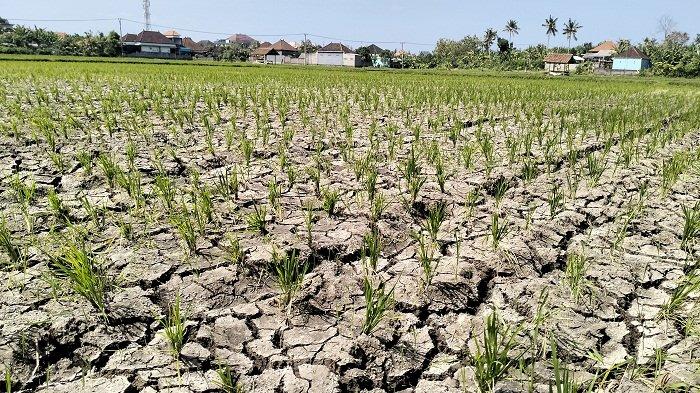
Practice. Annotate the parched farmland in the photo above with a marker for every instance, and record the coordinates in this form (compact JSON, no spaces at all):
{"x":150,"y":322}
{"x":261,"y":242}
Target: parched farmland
{"x":185,"y":228}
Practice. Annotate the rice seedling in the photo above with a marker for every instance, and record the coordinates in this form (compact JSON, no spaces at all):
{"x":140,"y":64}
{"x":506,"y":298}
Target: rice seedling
{"x":687,"y":286}
{"x":233,"y":249}
{"x":247,"y":148}
{"x":377,"y":302}
{"x":499,"y":189}
{"x":309,"y":219}
{"x":25,"y":192}
{"x":203,"y":207}
{"x":288,"y":272}
{"x":228,"y":382}
{"x":257,"y":219}
{"x":555,"y":201}
{"x":58,"y":161}
{"x":436,"y":216}
{"x":411,"y":171}
{"x":595,"y":168}
{"x":370,"y":181}
{"x":314,"y":174}
{"x":529,"y":170}
{"x":564,"y":381}
{"x":85,"y":160}
{"x":425,"y":253}
{"x":441,"y":174}
{"x":493,"y":356}
{"x":109,"y":168}
{"x":330,"y":200}
{"x":83,"y":274}
{"x":227,"y":183}
{"x":691,"y":226}
{"x":499,"y":230}
{"x":184,"y":224}
{"x":576,"y":268}
{"x":671,"y":170}
{"x":59,"y":210}
{"x":372,"y":247}
{"x":8,"y":379}
{"x":165,"y":190}
{"x":174,"y":327}
{"x":470,"y":201}
{"x":131,"y":153}
{"x":9,"y":245}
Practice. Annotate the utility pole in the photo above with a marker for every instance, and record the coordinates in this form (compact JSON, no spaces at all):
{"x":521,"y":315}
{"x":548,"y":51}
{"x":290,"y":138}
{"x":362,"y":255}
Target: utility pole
{"x":402,"y":53}
{"x":121,"y":41}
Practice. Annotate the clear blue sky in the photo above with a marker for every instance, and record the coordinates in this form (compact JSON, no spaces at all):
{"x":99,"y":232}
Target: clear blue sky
{"x":418,"y":21}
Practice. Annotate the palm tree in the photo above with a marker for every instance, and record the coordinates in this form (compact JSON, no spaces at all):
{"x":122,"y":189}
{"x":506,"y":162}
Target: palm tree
{"x":489,"y":38}
{"x":571,"y":28}
{"x":511,"y":28}
{"x":551,"y":25}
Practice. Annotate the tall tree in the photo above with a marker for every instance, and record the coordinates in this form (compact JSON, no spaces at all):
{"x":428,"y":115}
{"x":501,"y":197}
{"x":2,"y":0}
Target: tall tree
{"x":571,"y":28}
{"x":666,"y":25}
{"x":512,"y":28}
{"x":551,"y":25}
{"x":489,"y":38}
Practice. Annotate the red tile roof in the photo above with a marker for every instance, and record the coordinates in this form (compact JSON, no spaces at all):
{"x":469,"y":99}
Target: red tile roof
{"x":264,"y":51}
{"x":148,"y":37}
{"x":559,"y":58}
{"x":188,"y":42}
{"x":607,"y":45}
{"x":283,"y":45}
{"x":241,"y":39}
{"x":129,"y":37}
{"x":632,"y":53}
{"x":336,"y":47}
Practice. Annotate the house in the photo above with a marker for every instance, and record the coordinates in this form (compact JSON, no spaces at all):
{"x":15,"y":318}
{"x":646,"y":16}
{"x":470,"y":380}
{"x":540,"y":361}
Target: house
{"x":153,"y":44}
{"x":265,"y":55}
{"x":285,"y":49}
{"x":337,"y":54}
{"x":285,"y":53}
{"x":197,"y":48}
{"x":632,"y":60}
{"x":379,"y":56}
{"x":173,"y":36}
{"x":561,"y":63}
{"x":241,"y":39}
{"x":601,"y":56}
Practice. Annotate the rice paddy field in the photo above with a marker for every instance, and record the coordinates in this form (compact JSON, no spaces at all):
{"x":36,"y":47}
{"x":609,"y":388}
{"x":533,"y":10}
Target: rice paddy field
{"x":183,"y":228}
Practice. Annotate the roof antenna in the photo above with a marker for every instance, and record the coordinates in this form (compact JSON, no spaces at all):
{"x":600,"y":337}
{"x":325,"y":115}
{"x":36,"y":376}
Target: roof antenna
{"x":147,"y":14}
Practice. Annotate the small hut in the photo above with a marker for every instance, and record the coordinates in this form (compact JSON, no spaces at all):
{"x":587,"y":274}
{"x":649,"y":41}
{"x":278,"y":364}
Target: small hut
{"x":561,"y":63}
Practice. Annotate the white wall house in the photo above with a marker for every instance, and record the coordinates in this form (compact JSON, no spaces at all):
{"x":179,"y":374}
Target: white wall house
{"x":336,"y":54}
{"x":149,"y":44}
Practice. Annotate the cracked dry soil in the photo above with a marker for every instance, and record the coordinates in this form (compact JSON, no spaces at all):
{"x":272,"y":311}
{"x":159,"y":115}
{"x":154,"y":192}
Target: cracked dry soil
{"x":507,"y":145}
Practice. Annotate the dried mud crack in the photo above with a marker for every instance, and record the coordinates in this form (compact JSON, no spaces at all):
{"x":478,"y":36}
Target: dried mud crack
{"x":298,"y":230}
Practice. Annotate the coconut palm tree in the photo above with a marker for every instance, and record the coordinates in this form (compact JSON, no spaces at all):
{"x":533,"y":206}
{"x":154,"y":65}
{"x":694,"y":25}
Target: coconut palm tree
{"x":512,"y":28}
{"x":551,"y":25}
{"x":571,"y":28}
{"x":489,"y":38}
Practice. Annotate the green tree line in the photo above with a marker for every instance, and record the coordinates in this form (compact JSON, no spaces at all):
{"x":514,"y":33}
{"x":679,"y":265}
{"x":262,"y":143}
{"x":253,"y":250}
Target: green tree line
{"x":674,"y":56}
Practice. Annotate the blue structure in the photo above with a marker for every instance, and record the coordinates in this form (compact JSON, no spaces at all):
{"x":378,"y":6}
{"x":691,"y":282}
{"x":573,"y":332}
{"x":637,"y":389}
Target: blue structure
{"x":631,"y":60}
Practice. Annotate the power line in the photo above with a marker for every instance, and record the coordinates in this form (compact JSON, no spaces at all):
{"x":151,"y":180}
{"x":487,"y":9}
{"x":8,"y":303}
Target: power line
{"x":363,"y":41}
{"x":213,"y":32}
{"x":217,"y":32}
{"x":62,"y":20}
